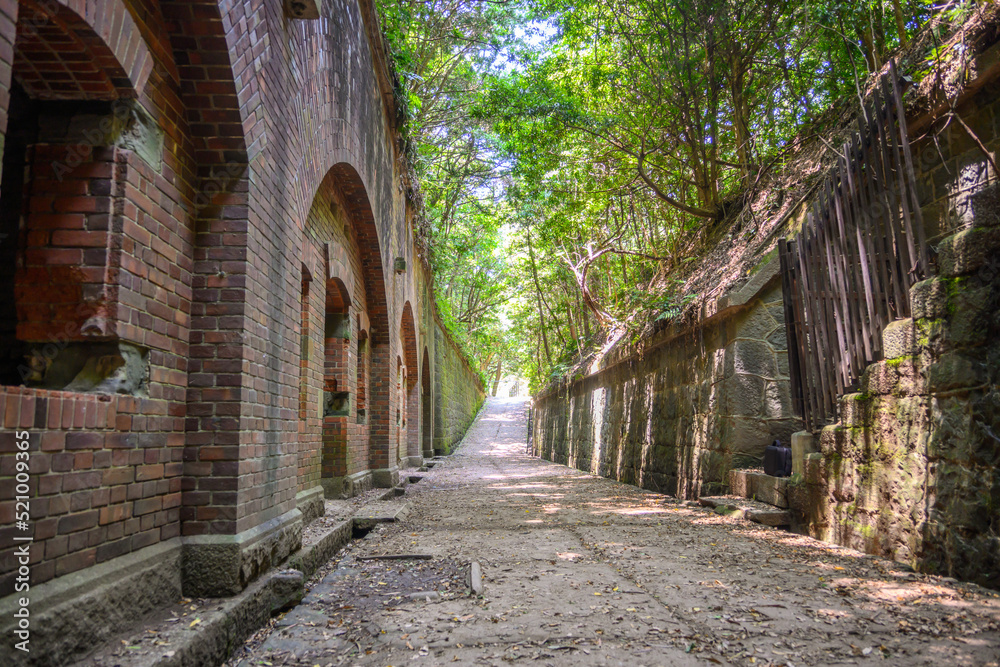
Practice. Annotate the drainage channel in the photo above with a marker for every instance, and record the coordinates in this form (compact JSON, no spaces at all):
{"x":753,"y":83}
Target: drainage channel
{"x":206,"y":631}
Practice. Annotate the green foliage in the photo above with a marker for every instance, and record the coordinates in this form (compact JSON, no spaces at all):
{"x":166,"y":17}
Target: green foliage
{"x":572,"y":152}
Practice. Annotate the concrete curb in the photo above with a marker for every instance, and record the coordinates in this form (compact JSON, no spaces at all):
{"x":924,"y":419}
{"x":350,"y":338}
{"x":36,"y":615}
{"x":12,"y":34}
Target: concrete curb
{"x":310,"y":558}
{"x":226,"y":625}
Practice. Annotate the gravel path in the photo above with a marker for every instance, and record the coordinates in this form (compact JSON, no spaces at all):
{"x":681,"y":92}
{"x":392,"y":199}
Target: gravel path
{"x":584,"y":571}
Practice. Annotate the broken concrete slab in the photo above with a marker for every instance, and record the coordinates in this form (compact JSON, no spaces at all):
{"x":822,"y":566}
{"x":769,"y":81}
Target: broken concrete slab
{"x":743,"y":508}
{"x":380,"y":512}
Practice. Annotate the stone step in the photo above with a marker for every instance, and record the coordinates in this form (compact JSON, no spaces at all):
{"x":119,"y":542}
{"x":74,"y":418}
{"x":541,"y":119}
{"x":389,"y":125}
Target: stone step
{"x":758,"y":486}
{"x":380,"y":512}
{"x":758,"y":512}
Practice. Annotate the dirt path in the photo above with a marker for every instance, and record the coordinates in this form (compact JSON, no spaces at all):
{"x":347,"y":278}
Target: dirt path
{"x":584,"y":571}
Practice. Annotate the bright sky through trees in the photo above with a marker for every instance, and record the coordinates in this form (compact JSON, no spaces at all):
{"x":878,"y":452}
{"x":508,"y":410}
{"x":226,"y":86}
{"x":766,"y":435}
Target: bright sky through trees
{"x":575,"y":155}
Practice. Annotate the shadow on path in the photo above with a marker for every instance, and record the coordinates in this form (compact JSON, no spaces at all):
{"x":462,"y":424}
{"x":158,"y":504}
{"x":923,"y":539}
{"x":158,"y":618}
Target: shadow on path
{"x":585,"y":571}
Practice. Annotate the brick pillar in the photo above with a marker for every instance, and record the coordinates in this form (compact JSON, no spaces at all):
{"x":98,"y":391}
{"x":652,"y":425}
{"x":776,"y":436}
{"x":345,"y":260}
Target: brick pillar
{"x":215,"y":379}
{"x":380,"y":417}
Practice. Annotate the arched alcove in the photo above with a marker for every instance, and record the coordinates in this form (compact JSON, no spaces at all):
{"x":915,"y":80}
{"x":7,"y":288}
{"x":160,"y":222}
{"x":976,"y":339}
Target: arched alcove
{"x":426,"y":418}
{"x":410,"y":435}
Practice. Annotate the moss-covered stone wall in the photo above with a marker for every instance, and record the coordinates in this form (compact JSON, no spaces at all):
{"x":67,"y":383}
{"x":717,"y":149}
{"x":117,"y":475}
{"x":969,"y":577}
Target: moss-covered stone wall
{"x":912,"y":469}
{"x":698,"y":402}
{"x":458,"y":392}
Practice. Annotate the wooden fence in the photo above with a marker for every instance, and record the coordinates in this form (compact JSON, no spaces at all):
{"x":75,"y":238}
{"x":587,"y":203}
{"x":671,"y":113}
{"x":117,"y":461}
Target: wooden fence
{"x":848,"y":272}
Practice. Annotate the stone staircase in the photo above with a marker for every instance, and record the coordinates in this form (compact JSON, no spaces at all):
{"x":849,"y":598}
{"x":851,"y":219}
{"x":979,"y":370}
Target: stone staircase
{"x":754,"y":496}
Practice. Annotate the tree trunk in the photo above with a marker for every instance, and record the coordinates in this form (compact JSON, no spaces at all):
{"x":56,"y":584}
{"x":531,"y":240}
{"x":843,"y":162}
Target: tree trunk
{"x":897,"y":10}
{"x":496,"y":379}
{"x":538,"y":294}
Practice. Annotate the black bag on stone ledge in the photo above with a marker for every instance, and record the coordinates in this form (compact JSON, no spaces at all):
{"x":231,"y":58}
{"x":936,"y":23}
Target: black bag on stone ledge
{"x":778,"y":460}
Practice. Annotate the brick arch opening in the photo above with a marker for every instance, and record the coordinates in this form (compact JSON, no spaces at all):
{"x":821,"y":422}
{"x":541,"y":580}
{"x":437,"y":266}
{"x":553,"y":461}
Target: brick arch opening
{"x":348,"y":181}
{"x":73,"y":49}
{"x":337,"y":394}
{"x":60,"y":270}
{"x":408,"y":338}
{"x":426,"y":427}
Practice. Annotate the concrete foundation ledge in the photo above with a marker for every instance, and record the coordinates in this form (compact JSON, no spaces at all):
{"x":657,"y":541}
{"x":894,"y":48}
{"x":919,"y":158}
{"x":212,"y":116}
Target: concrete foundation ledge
{"x":412,"y":462}
{"x":385,"y":478}
{"x":223,"y":565}
{"x":347,"y":487}
{"x":310,"y":503}
{"x":223,"y":626}
{"x":311,"y":557}
{"x":75,"y":613}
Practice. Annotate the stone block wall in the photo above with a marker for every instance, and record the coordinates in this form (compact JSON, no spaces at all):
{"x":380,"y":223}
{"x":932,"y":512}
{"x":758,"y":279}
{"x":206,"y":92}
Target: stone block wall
{"x":459,"y":392}
{"x":911,"y":469}
{"x":697,"y":403}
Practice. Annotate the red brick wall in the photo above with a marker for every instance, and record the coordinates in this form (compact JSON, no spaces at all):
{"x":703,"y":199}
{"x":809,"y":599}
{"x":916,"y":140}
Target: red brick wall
{"x":276,"y":140}
{"x":68,"y":276}
{"x":107,"y":470}
{"x":8,"y":31}
{"x":105,"y":478}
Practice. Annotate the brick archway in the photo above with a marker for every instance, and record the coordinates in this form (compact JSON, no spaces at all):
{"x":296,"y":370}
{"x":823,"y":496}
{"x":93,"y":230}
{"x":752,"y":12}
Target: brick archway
{"x":408,"y":339}
{"x":379,"y":380}
{"x":63,"y":276}
{"x":74,"y":49}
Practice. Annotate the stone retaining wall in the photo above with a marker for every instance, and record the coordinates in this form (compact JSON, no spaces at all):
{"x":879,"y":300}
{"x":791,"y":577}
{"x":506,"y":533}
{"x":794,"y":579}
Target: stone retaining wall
{"x":458,"y":390}
{"x":699,"y":402}
{"x":911,"y":470}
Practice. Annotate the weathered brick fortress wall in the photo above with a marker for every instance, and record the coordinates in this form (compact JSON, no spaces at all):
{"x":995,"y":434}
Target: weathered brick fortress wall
{"x":695,"y":404}
{"x":213,"y":308}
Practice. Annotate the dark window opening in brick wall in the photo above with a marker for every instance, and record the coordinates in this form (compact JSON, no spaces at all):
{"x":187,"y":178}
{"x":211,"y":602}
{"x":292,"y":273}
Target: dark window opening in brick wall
{"x":336,"y":338}
{"x":22,"y":132}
